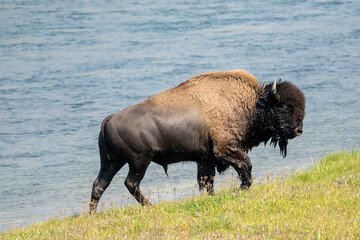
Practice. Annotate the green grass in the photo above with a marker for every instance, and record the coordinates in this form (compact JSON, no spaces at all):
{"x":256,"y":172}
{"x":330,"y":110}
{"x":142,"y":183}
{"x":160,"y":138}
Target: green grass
{"x":321,"y":203}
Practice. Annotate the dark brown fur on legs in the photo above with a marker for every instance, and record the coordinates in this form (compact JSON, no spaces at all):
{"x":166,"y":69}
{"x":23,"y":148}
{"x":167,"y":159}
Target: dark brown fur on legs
{"x":206,"y":176}
{"x":132,"y":182}
{"x":106,"y":174}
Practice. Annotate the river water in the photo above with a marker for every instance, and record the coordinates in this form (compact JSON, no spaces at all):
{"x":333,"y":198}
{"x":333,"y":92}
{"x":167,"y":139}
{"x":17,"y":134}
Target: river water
{"x":65,"y":65}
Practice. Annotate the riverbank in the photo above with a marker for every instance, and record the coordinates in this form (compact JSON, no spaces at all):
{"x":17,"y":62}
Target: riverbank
{"x":319,"y":203}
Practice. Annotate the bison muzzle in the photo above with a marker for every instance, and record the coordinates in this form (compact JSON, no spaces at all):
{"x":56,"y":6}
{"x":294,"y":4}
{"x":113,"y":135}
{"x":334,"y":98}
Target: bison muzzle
{"x":213,"y":119}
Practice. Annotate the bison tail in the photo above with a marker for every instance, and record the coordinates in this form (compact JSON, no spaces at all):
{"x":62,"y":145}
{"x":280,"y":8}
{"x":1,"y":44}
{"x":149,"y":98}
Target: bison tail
{"x":102,"y":137}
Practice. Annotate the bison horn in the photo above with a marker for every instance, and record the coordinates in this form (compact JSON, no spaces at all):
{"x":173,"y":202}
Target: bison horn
{"x":274,"y":93}
{"x":274,"y":87}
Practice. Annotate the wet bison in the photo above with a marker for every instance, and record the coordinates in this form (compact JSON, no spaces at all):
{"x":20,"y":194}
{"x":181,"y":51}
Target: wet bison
{"x":213,"y":119}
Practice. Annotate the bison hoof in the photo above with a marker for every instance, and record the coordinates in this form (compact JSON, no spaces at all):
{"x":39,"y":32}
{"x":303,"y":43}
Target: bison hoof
{"x":245,"y":185}
{"x":92,"y":212}
{"x":211,"y":192}
{"x":93,"y":207}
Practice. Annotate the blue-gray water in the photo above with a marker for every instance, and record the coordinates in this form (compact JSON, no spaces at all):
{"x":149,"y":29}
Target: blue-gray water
{"x":65,"y":65}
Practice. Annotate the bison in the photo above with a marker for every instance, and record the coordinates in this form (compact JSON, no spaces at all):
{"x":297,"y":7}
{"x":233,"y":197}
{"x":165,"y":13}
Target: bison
{"x":213,"y":119}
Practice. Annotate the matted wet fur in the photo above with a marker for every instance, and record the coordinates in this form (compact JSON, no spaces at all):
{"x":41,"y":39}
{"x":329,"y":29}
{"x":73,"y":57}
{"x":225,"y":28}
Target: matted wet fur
{"x":213,"y":119}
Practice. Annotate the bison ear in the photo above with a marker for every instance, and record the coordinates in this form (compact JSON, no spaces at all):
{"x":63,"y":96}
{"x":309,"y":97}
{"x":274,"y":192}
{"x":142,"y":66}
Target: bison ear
{"x":275,"y":95}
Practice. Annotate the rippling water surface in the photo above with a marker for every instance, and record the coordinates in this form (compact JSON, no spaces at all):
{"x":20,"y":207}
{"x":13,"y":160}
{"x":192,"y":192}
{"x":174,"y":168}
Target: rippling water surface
{"x":65,"y":65}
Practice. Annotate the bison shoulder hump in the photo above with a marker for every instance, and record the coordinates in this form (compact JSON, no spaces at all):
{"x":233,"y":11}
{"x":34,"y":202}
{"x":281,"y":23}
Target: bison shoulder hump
{"x":239,"y":75}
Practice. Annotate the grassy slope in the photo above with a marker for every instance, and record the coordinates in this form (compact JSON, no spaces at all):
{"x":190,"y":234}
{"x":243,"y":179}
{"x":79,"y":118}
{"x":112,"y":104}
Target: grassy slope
{"x":323,"y":202}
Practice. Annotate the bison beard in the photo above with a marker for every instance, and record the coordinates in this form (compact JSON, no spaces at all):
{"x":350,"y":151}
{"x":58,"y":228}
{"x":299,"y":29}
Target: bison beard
{"x":213,"y":119}
{"x":282,"y":144}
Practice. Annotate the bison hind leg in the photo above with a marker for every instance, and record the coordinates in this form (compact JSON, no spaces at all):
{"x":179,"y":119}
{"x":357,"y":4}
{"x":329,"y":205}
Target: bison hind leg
{"x":110,"y":165}
{"x":106,"y":174}
{"x":132,"y":181}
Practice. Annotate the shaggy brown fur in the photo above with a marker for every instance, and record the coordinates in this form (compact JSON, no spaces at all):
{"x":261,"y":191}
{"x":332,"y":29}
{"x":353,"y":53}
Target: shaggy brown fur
{"x":226,"y":101}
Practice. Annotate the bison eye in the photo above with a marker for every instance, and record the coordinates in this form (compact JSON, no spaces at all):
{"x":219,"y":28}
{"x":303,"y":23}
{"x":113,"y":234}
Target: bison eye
{"x":298,"y":131}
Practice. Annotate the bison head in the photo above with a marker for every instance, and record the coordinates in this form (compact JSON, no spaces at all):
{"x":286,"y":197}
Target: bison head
{"x":283,"y":111}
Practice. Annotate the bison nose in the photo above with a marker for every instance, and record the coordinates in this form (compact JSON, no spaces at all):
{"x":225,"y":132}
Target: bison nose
{"x":298,"y":131}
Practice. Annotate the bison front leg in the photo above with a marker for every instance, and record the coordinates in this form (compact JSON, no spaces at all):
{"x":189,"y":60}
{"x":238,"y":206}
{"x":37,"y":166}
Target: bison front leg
{"x":242,"y":165}
{"x":206,"y":176}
